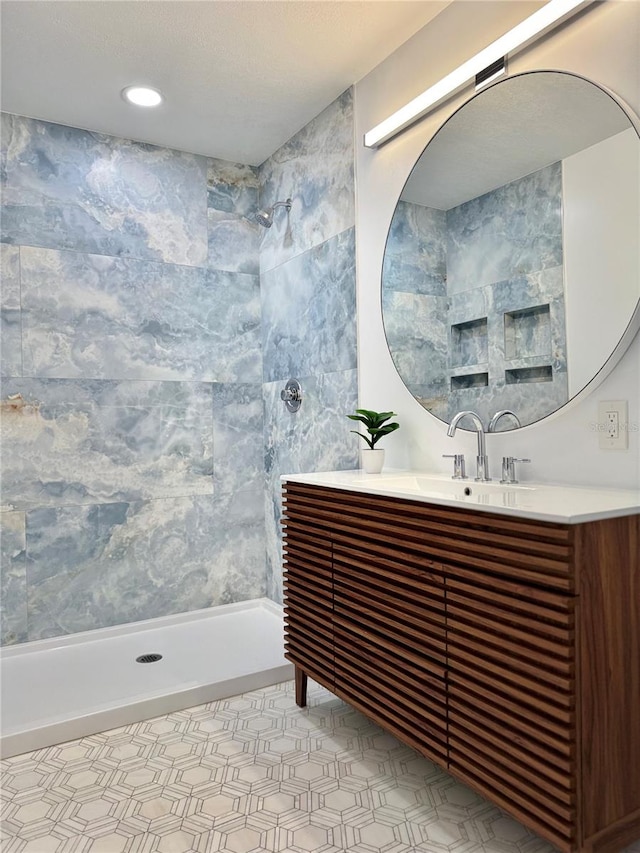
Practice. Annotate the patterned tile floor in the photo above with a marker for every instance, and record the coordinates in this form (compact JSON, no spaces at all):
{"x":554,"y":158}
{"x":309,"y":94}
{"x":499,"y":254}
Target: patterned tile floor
{"x":244,"y":775}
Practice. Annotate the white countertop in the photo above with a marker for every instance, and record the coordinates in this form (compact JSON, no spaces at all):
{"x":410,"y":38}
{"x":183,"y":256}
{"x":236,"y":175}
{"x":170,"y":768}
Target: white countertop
{"x":542,"y":501}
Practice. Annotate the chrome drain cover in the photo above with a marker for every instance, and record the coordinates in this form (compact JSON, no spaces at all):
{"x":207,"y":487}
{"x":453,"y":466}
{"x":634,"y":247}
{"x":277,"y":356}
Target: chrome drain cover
{"x":149,"y":658}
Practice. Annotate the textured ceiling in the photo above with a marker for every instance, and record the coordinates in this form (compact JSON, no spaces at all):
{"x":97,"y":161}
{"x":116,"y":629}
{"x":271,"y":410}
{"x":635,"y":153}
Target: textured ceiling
{"x":240,"y":77}
{"x":511,"y":129}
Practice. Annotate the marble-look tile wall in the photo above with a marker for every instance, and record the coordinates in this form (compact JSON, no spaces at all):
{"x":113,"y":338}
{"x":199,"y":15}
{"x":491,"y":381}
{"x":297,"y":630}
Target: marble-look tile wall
{"x":65,"y":188}
{"x":132,"y":481}
{"x":414,"y":300}
{"x":514,"y":229}
{"x":504,"y":250}
{"x":307,"y":263}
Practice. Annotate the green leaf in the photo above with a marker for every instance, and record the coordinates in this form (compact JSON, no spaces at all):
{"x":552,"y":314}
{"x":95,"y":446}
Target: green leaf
{"x":370,"y":418}
{"x":385,"y":430}
{"x":365,"y":421}
{"x":368,"y":413}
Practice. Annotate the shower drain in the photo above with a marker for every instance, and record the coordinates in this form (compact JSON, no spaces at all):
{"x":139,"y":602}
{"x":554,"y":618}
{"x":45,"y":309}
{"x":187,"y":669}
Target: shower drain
{"x":150,"y":658}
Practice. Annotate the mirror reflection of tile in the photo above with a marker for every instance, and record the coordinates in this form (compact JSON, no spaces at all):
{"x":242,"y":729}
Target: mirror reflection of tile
{"x":474,"y":299}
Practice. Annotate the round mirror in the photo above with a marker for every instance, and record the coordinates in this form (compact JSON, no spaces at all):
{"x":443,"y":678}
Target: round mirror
{"x":512,"y":266}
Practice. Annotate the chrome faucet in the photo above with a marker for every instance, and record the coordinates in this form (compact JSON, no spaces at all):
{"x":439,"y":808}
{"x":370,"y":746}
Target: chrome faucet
{"x":482,"y":460}
{"x":494,"y":420}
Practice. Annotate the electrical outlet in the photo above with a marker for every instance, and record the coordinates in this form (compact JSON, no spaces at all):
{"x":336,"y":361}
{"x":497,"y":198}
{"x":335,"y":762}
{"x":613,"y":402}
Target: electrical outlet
{"x":612,"y":425}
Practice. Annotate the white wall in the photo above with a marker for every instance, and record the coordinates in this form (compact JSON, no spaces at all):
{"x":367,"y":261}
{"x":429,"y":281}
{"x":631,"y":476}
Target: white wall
{"x":601,"y":213}
{"x":603,"y":44}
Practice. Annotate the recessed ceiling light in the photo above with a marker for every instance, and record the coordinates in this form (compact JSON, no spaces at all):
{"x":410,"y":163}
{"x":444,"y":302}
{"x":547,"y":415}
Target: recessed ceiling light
{"x":142,"y":96}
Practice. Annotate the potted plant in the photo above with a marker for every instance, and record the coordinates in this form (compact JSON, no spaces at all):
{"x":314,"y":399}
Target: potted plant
{"x":377,"y":427}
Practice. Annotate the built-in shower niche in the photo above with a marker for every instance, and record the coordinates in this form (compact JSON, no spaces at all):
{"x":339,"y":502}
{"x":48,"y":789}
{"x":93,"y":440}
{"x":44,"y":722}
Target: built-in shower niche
{"x":527,"y":337}
{"x":469,"y":343}
{"x":520,"y":375}
{"x":527,"y":333}
{"x":464,"y":381}
{"x":469,"y":354}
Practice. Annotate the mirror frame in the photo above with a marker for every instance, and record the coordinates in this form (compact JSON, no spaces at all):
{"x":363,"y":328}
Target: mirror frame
{"x":633,"y":326}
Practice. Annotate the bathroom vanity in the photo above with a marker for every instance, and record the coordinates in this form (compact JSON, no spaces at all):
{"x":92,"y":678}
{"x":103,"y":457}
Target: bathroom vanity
{"x":496,"y":632}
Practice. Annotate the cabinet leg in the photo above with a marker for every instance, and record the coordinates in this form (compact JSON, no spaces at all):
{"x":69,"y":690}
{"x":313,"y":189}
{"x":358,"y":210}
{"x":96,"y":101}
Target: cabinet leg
{"x":301,"y":687}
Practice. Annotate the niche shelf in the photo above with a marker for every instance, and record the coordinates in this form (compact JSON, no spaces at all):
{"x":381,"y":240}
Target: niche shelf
{"x":469,"y":380}
{"x":523,"y":375}
{"x":527,"y":332}
{"x":469,"y":342}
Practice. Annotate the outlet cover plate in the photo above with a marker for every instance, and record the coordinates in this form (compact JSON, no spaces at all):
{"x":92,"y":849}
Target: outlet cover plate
{"x":613,"y":425}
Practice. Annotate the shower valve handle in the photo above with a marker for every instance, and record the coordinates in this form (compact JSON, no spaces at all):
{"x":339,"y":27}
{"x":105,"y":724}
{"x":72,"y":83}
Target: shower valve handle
{"x":291,"y":395}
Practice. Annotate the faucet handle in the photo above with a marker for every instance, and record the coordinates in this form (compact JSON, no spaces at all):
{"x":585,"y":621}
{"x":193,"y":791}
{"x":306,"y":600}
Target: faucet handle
{"x":458,"y":465}
{"x":509,"y":469}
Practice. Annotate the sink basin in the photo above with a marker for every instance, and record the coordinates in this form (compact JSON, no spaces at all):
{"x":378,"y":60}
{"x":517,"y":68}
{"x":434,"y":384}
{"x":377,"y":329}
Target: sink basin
{"x":459,"y":489}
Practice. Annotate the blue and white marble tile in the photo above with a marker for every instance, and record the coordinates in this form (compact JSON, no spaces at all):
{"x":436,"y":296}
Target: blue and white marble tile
{"x":316,"y":438}
{"x":13,"y":583}
{"x":235,"y":316}
{"x":84,"y":442}
{"x":469,"y":305}
{"x":513,"y":230}
{"x":315,"y":169}
{"x":309,"y":312}
{"x":10,"y":316}
{"x":527,"y":291}
{"x":416,"y":329}
{"x":232,"y":187}
{"x":415,"y":253}
{"x":94,"y":566}
{"x":237,"y":438}
{"x":96,"y":317}
{"x":237,"y":571}
{"x":65,"y":188}
{"x":234,"y":243}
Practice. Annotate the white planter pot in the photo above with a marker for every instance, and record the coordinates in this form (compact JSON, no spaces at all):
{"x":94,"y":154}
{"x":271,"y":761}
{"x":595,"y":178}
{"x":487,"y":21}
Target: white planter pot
{"x":372,"y":460}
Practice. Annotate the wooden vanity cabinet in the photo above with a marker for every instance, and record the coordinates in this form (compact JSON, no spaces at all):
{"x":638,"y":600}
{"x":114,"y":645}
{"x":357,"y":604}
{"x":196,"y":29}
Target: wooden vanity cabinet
{"x":506,"y":650}
{"x":389,"y":641}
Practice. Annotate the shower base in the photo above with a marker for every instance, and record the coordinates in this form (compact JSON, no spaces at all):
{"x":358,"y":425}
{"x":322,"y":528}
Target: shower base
{"x":69,"y":687}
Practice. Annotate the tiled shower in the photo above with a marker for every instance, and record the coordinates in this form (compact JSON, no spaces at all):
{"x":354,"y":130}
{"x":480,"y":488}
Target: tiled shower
{"x":148,"y":328}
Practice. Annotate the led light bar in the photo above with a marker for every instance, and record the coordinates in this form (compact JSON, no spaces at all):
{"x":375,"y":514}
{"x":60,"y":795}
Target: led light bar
{"x":550,"y":14}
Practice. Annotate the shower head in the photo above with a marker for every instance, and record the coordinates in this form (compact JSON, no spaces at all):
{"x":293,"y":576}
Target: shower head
{"x":265,"y":217}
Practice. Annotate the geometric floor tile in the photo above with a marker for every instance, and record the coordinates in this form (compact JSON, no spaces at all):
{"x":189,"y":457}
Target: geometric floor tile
{"x":249,"y":774}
